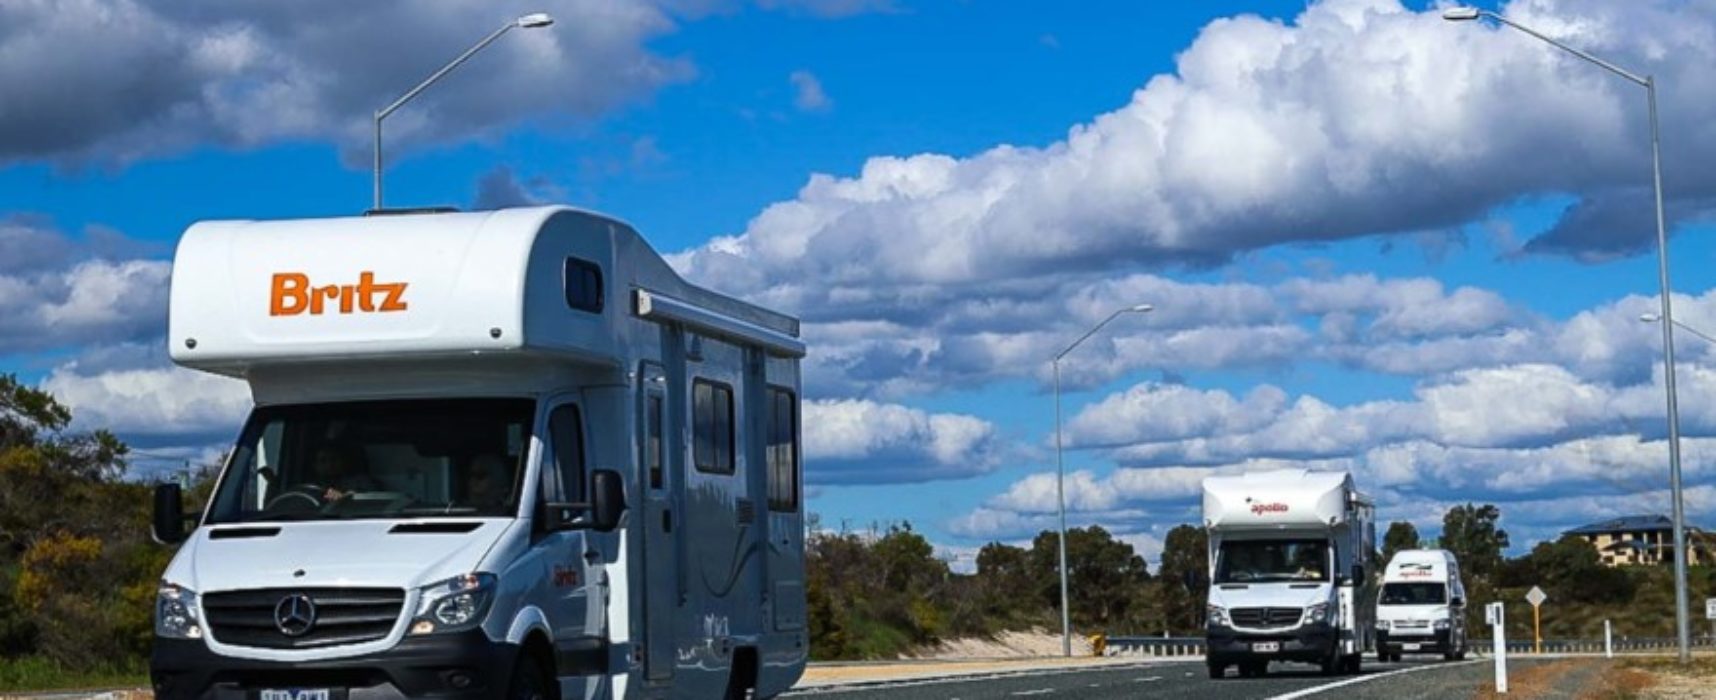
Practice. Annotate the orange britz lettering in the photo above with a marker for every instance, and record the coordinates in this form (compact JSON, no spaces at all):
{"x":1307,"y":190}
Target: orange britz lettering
{"x":291,"y":294}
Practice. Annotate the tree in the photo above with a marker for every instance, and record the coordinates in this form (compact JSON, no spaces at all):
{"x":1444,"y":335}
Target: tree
{"x":1184,"y":579}
{"x":1471,"y":533}
{"x":77,"y":569}
{"x":1106,"y":579}
{"x":1401,"y":535}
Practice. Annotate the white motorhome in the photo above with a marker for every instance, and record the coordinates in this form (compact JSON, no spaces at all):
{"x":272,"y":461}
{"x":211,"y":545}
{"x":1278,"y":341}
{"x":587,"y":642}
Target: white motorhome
{"x":1421,"y":608}
{"x":503,"y":454}
{"x":1290,"y":560}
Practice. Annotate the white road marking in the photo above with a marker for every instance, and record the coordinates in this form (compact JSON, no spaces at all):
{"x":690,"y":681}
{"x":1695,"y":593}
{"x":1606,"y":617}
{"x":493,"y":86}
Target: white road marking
{"x":1360,"y":679}
{"x":1039,"y":691}
{"x":1150,"y":679}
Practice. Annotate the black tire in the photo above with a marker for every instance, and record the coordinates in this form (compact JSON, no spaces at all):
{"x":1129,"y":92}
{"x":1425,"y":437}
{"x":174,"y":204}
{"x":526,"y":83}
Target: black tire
{"x":1254,"y":669}
{"x":1217,"y":670}
{"x":1331,"y":663}
{"x":1354,"y":664}
{"x":529,"y":681}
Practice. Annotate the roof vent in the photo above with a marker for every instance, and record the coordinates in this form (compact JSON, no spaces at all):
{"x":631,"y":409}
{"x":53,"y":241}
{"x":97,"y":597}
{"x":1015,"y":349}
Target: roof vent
{"x":411,"y":211}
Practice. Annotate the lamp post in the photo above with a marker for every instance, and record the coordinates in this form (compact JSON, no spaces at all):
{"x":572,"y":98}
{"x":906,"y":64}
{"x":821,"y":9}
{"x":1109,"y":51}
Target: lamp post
{"x":1653,"y":318}
{"x":1061,"y":470}
{"x":530,"y":21}
{"x":1681,"y":610}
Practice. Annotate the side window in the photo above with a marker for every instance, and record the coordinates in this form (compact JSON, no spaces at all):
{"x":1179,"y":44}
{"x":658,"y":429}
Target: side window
{"x":583,"y":280}
{"x":567,"y":428}
{"x":783,"y":450}
{"x":712,"y":426}
{"x":653,"y":450}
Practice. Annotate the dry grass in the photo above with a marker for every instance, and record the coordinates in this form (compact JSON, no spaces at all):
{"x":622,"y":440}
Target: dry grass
{"x":1666,"y":678}
{"x":1533,"y":681}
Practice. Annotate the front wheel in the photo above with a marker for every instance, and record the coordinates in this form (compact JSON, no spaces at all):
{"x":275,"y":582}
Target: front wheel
{"x":1217,"y":670}
{"x":1354,"y":664}
{"x":529,"y":682}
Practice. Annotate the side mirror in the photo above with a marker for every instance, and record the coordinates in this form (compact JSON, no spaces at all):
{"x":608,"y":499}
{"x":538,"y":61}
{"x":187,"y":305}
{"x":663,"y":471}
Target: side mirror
{"x":602,"y":513}
{"x":1195,"y":580}
{"x":169,"y":518}
{"x":607,"y":500}
{"x":1358,"y":574}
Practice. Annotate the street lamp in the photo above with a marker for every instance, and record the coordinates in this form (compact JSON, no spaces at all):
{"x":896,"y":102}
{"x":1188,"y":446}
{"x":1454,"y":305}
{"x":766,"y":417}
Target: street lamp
{"x":1682,"y":613}
{"x":1061,"y":470}
{"x":530,"y":21}
{"x":1653,"y":318}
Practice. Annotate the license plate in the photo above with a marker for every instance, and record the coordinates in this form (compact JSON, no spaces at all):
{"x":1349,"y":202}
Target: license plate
{"x":296,"y":694}
{"x":1410,"y":647}
{"x":1266,"y":647}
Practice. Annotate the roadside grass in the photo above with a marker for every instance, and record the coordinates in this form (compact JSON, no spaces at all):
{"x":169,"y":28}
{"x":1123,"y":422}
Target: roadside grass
{"x":1525,"y":682}
{"x":33,"y":673}
{"x":1666,"y":678}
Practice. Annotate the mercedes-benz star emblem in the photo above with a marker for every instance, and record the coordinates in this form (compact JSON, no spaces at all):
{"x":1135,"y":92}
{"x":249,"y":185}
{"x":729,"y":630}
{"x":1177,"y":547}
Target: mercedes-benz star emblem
{"x":295,"y":615}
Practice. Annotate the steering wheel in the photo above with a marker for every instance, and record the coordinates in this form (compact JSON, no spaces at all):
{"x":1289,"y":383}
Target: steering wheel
{"x":306,"y":492}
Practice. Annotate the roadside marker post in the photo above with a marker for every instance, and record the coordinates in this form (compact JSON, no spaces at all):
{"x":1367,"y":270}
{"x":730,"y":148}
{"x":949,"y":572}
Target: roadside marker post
{"x":1710,"y":614}
{"x":1496,"y":615}
{"x":1536,"y":597}
{"x":1608,"y":641}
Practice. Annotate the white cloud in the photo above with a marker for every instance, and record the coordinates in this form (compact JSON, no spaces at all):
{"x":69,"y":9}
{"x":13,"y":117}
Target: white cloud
{"x":808,"y":95}
{"x":156,"y":77}
{"x":859,"y":441}
{"x":94,"y":301}
{"x":158,"y":401}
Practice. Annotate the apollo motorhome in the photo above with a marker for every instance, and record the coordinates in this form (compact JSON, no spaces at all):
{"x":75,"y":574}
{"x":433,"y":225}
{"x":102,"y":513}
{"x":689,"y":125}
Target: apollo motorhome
{"x":1289,"y":555}
{"x":505,"y":454}
{"x":1421,"y":608}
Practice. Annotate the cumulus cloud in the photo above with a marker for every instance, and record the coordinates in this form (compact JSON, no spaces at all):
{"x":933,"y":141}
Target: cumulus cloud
{"x":858,"y":441}
{"x":92,"y":301}
{"x":158,"y":401}
{"x":155,"y":76}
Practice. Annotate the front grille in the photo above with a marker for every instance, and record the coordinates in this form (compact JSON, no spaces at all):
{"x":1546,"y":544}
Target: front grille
{"x":1412,"y":624}
{"x":343,"y":616}
{"x":1263,"y":618}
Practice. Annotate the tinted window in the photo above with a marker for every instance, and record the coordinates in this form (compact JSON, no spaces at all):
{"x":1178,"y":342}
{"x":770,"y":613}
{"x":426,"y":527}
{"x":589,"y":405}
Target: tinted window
{"x":1414,"y":594}
{"x":783,"y":450}
{"x":712,"y":427}
{"x":583,"y":285}
{"x":653,"y":451}
{"x":377,"y":459}
{"x":567,"y":428}
{"x":1253,"y":561}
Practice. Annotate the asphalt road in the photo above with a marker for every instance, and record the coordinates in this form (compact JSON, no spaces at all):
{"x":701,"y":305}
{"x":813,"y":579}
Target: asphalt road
{"x":1189,"y":680}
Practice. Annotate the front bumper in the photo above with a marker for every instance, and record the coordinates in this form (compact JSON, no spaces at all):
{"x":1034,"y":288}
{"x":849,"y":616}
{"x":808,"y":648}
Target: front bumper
{"x":1313,"y":643}
{"x":1436,"y":642}
{"x":463,"y":666}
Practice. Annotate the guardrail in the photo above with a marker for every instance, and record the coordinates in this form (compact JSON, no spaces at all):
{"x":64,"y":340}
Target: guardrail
{"x":1194,"y":646}
{"x":1155,"y":646}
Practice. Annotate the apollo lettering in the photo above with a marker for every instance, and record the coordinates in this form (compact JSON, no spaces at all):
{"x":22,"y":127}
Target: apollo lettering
{"x":292,"y":294}
{"x":1261,"y":508}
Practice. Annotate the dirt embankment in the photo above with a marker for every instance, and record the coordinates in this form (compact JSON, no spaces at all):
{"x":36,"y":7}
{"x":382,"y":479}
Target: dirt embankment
{"x":1007,"y":645}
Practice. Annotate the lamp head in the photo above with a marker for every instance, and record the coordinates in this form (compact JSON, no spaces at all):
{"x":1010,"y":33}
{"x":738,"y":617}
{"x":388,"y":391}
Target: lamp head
{"x":534,"y":20}
{"x":1142,"y":308}
{"x":1461,"y":14}
{"x":1649,"y":318}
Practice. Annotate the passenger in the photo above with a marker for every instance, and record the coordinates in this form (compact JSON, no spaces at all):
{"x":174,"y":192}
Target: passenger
{"x":342,"y":469}
{"x":486,"y":484}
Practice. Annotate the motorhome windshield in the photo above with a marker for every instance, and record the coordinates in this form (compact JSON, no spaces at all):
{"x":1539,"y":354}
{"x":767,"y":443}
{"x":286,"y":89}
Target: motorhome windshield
{"x":377,"y":459}
{"x":1260,"y":561}
{"x":1414,"y":594}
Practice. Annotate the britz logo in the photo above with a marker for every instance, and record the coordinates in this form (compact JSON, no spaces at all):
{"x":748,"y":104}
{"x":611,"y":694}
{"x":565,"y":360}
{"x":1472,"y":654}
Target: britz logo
{"x":291,"y":294}
{"x":1261,"y":508}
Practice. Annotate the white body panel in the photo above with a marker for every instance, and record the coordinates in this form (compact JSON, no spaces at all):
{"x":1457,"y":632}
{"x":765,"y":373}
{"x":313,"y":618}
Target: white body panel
{"x":484,"y":311}
{"x":1419,"y":623}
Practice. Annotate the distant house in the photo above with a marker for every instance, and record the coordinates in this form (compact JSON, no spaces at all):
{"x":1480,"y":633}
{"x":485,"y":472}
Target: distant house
{"x":1642,"y":539}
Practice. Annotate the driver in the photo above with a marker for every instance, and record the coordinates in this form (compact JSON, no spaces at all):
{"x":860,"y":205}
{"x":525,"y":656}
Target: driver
{"x":341,"y":469}
{"x":486,"y":485}
{"x":1310,"y":565}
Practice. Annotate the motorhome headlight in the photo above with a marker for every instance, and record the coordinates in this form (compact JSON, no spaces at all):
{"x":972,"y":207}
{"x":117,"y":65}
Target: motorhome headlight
{"x":1382,"y":624}
{"x":1317,"y":614}
{"x":1217,"y":615}
{"x":456,"y":604}
{"x":1441,"y":624}
{"x":176,"y":613}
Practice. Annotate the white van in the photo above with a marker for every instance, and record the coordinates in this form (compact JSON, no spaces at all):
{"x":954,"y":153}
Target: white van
{"x":1290,"y":563}
{"x":1422,"y":606}
{"x":503,"y":454}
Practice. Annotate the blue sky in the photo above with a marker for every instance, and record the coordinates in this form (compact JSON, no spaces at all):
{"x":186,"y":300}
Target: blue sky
{"x":1377,"y":241}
